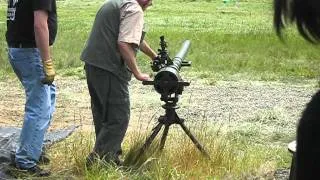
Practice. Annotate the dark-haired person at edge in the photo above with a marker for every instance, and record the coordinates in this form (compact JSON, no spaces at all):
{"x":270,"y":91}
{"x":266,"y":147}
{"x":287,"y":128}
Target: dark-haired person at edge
{"x":110,"y":59}
{"x":306,"y":15}
{"x":31,"y":30}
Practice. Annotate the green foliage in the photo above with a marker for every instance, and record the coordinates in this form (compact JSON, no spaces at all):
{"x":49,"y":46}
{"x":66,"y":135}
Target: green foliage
{"x":236,"y":41}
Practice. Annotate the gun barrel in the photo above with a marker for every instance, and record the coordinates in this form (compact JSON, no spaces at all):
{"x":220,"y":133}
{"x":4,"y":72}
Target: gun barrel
{"x":180,"y":56}
{"x":168,"y":78}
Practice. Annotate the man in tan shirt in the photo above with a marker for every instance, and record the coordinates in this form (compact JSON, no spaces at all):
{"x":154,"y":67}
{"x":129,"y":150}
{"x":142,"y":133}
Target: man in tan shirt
{"x":110,"y":59}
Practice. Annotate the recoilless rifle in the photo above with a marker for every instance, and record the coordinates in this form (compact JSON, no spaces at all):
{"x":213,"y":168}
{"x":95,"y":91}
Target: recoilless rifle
{"x":169,"y":84}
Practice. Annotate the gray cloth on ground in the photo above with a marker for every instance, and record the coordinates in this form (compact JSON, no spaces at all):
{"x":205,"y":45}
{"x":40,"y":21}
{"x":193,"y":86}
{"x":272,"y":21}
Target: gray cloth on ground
{"x":9,"y":138}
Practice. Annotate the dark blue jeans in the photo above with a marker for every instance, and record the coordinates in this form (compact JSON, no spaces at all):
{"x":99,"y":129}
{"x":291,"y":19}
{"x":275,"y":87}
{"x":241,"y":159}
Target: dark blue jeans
{"x":39,"y":105}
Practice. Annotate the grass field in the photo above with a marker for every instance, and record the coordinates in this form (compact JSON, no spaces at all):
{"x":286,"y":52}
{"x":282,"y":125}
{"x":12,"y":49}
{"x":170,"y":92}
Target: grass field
{"x":229,"y":41}
{"x":233,"y":41}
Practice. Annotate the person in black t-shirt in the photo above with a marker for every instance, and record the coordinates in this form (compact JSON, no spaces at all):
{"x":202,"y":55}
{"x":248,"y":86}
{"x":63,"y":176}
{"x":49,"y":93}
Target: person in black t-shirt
{"x":31,"y":30}
{"x":306,"y":15}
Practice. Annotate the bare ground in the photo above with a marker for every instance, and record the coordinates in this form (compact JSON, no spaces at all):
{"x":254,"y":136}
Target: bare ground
{"x":226,"y":101}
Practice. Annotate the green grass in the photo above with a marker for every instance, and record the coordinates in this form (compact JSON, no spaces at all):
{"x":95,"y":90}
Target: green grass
{"x":229,"y":157}
{"x":228,"y":41}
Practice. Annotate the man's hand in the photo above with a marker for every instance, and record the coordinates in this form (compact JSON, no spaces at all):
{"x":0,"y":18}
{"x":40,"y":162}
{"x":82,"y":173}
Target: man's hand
{"x":156,"y":64}
{"x":156,"y":58}
{"x":49,"y":72}
{"x":142,"y":76}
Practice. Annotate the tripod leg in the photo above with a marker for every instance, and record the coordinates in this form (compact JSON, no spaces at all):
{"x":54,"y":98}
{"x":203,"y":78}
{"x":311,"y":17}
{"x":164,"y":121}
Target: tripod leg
{"x":194,"y":140}
{"x":149,"y":140}
{"x":164,"y":136}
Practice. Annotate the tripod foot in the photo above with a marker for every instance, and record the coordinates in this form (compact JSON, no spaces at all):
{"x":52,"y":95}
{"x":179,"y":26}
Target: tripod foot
{"x":148,"y":141}
{"x":194,"y":140}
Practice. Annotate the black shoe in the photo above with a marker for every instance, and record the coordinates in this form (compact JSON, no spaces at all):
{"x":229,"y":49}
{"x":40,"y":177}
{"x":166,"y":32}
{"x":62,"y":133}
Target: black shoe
{"x":34,"y":171}
{"x":43,"y":159}
{"x":94,"y":158}
{"x":37,"y":171}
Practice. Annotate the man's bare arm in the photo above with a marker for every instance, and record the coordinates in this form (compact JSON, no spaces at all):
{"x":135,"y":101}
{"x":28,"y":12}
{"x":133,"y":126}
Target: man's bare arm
{"x":41,"y":32}
{"x":146,"y":49}
{"x":128,"y":55}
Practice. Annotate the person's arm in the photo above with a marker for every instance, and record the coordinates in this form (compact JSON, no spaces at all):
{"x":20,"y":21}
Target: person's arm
{"x":147,"y":50}
{"x":130,"y":31}
{"x":41,"y":32}
{"x":128,"y":55}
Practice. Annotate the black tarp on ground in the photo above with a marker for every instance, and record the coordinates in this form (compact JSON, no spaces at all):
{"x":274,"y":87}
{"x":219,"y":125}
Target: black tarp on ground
{"x":8,"y":141}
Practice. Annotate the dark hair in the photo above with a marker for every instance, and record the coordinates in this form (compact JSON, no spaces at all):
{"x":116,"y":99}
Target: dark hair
{"x":305,"y":13}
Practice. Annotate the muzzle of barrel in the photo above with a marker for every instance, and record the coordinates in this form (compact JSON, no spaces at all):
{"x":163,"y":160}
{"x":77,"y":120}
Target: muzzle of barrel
{"x":167,"y":80}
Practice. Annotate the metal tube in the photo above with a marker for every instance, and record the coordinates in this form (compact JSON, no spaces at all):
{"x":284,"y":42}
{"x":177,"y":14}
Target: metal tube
{"x":180,"y":56}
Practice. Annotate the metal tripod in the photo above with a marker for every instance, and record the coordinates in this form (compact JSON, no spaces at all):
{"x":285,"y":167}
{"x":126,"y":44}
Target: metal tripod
{"x":167,"y":120}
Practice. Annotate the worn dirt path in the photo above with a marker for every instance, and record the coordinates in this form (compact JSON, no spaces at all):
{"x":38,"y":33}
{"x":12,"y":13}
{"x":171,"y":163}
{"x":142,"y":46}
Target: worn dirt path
{"x":225,"y":101}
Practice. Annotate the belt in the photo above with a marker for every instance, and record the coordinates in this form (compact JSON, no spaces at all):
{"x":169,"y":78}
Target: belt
{"x":22,"y":45}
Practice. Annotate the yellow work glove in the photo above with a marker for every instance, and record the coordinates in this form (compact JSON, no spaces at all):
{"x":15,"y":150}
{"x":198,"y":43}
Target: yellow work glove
{"x":49,"y":72}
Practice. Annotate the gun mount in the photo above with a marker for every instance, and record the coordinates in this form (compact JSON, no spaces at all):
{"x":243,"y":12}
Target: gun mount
{"x":169,"y":84}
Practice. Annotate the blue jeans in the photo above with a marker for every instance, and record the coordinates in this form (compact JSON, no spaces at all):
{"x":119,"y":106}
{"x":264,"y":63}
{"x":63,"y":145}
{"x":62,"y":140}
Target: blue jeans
{"x":39,"y":106}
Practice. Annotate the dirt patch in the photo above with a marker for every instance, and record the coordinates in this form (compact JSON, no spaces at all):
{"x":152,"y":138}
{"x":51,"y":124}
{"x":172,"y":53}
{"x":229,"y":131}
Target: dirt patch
{"x":225,"y":101}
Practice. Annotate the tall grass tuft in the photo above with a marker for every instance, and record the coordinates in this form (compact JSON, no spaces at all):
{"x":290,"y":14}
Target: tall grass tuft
{"x":69,"y":156}
{"x":230,"y":157}
{"x":136,"y":158}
